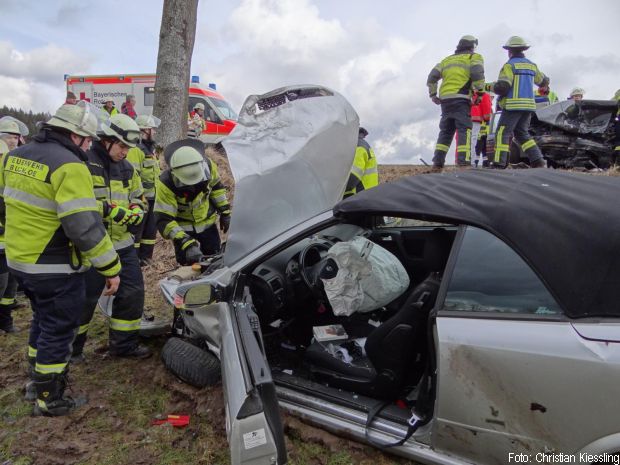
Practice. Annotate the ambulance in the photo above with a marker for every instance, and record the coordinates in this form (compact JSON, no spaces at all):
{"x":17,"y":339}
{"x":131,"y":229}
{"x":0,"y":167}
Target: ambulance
{"x":220,"y":118}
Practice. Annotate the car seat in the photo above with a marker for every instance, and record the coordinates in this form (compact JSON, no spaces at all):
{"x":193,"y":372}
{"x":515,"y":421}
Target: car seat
{"x":394,"y":348}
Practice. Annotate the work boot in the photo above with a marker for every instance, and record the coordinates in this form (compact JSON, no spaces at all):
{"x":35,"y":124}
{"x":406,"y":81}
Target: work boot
{"x":6,"y":320}
{"x":437,"y":169}
{"x":50,"y":400}
{"x":77,"y":356}
{"x":139,"y":351}
{"x":540,"y":163}
{"x":77,"y":359}
{"x":30,"y":392}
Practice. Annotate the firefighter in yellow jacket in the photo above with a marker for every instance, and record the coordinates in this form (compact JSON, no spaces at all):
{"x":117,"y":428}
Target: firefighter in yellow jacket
{"x":118,"y":190}
{"x":364,"y":173}
{"x":189,"y":198}
{"x":461,"y":74}
{"x":12,"y":131}
{"x":145,"y":161}
{"x":53,"y":233}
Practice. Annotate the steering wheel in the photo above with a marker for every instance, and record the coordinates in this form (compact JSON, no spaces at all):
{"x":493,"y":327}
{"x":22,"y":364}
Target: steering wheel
{"x":310,"y":273}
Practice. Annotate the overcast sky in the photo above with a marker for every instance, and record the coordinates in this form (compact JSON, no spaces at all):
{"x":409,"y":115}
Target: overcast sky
{"x":377,"y":54}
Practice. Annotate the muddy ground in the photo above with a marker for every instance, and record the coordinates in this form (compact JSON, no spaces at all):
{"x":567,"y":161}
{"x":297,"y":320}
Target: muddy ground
{"x":124,"y":396}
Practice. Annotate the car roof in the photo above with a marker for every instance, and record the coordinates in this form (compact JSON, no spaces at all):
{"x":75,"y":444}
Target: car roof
{"x":565,"y":225}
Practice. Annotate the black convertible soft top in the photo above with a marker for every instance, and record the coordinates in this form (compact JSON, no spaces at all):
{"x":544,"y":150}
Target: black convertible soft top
{"x":565,"y":225}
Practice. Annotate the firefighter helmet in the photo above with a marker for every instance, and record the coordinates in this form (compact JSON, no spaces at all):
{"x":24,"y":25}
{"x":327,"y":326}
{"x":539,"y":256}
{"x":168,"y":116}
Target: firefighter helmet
{"x":516,"y":42}
{"x":10,"y":125}
{"x":147,"y":121}
{"x":577,"y":91}
{"x":82,"y":119}
{"x":188,"y":166}
{"x":199,"y":106}
{"x":467,"y":42}
{"x":122,"y":128}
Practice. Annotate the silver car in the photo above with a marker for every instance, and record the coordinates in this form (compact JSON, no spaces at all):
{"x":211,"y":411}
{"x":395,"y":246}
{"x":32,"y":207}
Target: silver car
{"x":504,"y":348}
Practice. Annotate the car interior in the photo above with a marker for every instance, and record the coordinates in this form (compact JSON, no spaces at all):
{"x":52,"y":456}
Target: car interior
{"x":387,"y":351}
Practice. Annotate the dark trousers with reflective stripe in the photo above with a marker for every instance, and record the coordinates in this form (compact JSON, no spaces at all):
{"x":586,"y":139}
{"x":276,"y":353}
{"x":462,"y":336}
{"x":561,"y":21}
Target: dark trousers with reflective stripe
{"x":517,"y":123}
{"x":209,"y":240}
{"x":145,"y":239}
{"x":57,"y":301}
{"x":455,"y":117}
{"x":126,"y":309}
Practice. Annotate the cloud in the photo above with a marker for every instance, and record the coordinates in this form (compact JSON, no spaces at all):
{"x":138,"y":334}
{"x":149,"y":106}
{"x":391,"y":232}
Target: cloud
{"x":32,"y":80}
{"x":43,"y":64}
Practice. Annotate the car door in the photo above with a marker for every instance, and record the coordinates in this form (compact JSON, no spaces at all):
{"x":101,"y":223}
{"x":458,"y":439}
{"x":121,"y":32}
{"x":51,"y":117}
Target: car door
{"x":513,"y":374}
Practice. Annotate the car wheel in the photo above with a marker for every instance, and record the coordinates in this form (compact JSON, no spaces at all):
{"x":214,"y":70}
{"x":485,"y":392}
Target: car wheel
{"x":191,"y":364}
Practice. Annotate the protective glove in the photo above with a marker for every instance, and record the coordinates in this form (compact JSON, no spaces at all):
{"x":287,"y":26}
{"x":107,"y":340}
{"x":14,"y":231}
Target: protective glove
{"x":119,"y":215}
{"x":137,"y":215}
{"x":193,"y":254}
{"x":435,"y":100}
{"x":224,"y":223}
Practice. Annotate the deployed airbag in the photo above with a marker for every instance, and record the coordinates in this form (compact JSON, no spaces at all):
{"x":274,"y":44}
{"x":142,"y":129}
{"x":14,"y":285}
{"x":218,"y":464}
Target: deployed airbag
{"x":368,"y":277}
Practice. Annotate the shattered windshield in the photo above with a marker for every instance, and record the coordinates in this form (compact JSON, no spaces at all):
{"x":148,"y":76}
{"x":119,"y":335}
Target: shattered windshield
{"x":585,"y":117}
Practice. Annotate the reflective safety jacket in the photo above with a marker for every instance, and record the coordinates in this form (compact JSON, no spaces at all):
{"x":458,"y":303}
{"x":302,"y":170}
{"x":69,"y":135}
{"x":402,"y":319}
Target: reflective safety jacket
{"x":114,"y":183}
{"x":364,"y":173}
{"x":3,"y":150}
{"x":181,"y":210}
{"x":460,"y":75}
{"x":520,"y":75}
{"x":52,"y":222}
{"x":145,"y":162}
{"x":195,"y":124}
{"x":112,"y":112}
{"x":550,"y":97}
{"x":483,"y":110}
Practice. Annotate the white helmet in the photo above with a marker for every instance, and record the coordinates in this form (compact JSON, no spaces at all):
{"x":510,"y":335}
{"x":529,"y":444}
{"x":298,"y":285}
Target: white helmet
{"x":187,"y":163}
{"x":147,"y":121}
{"x":82,"y":119}
{"x":122,"y":128}
{"x":577,"y":91}
{"x":199,"y":106}
{"x":10,"y":125}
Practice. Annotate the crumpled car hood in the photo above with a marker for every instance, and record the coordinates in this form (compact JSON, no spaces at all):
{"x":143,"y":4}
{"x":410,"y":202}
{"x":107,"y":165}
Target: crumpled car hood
{"x":290,"y":153}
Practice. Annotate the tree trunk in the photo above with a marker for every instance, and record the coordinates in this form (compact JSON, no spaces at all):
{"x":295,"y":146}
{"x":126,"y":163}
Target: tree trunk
{"x":176,"y":45}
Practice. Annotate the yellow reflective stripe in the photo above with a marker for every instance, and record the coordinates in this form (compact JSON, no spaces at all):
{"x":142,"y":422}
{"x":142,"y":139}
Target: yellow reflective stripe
{"x":528,"y":145}
{"x":357,"y":172}
{"x":7,"y":300}
{"x":29,"y":199}
{"x":124,"y":325}
{"x":119,"y":195}
{"x":147,"y":241}
{"x":499,"y":147}
{"x":32,"y":352}
{"x":118,"y":245}
{"x":38,"y":268}
{"x":76,"y":205}
{"x":442,"y":147}
{"x":529,"y":66}
{"x":172,"y":229}
{"x":51,"y":368}
{"x":164,"y":208}
{"x":101,"y":191}
{"x":82,"y":329}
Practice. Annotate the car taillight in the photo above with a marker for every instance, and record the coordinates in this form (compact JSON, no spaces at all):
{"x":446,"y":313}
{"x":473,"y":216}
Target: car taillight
{"x":178,"y":301}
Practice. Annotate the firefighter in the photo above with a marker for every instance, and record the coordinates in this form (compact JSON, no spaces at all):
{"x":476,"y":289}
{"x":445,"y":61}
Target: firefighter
{"x":53,"y":233}
{"x":576,"y":94}
{"x":109,"y":107}
{"x":515,"y":87}
{"x":118,"y":190}
{"x":188,"y":198}
{"x":196,"y":121}
{"x":545,"y":95}
{"x":461,"y":74}
{"x":12,"y":131}
{"x":146,"y":163}
{"x":364,"y":173}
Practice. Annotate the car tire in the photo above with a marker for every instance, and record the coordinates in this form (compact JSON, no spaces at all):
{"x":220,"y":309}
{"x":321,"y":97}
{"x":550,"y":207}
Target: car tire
{"x":192,"y":365}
